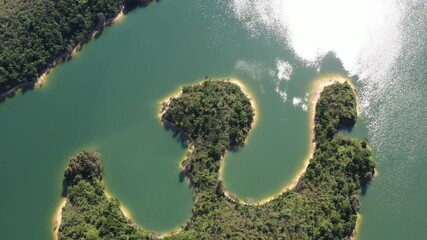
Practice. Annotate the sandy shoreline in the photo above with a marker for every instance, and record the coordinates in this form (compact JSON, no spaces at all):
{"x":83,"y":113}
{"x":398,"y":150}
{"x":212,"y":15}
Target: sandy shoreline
{"x":315,"y":92}
{"x":58,"y":218}
{"x":356,"y":228}
{"x":166,"y":101}
{"x":251,"y":98}
{"x":124,"y":210}
{"x":164,"y":104}
{"x":58,"y":214}
{"x":38,"y":83}
{"x":73,"y":53}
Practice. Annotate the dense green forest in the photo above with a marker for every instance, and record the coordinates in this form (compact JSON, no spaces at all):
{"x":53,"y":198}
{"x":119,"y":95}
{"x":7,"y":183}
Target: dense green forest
{"x":215,"y":116}
{"x":88,"y":213}
{"x":34,"y":35}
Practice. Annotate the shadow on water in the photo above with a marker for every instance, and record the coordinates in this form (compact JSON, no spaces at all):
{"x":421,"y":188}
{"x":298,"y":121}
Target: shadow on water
{"x":178,"y":135}
{"x":183,"y":139}
{"x":181,"y":176}
{"x":364,"y":188}
{"x":237,"y":148}
{"x":10,"y":93}
{"x":65,"y":185}
{"x":131,"y":5}
{"x":345,"y":130}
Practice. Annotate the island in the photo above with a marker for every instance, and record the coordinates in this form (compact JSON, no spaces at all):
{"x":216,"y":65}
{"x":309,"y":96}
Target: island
{"x":215,"y":117}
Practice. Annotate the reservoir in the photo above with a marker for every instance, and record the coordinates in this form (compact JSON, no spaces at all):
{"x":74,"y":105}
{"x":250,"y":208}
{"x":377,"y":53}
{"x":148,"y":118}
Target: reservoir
{"x":107,"y":98}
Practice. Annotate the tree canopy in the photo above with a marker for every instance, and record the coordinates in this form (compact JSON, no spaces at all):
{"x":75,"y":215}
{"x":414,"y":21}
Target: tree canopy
{"x":88,"y":212}
{"x":35,"y":35}
{"x":216,"y":116}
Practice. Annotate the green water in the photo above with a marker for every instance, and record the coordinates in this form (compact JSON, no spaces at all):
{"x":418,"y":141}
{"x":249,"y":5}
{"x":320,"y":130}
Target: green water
{"x":107,"y":99}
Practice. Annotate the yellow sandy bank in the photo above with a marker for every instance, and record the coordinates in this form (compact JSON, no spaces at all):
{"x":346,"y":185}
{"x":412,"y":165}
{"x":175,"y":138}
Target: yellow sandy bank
{"x":164,"y":104}
{"x":58,"y":218}
{"x":356,"y":228}
{"x":44,"y":75}
{"x":166,"y":101}
{"x":315,"y":92}
{"x":58,"y":215}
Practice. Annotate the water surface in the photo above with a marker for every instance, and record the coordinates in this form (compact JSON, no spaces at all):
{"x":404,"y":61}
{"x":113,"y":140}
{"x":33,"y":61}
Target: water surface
{"x":107,"y":99}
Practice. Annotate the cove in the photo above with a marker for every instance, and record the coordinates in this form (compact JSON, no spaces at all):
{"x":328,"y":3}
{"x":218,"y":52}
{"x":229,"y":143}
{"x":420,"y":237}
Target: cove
{"x":107,"y":98}
{"x":213,"y":116}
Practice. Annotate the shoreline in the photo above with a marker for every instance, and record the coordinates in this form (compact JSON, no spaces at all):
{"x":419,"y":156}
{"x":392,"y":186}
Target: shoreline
{"x":356,"y":227}
{"x":61,"y":58}
{"x":164,"y":103}
{"x":123,"y":209}
{"x":58,"y":218}
{"x":251,"y":98}
{"x":58,"y":213}
{"x":230,"y":196}
{"x":315,"y":91}
{"x":38,"y":83}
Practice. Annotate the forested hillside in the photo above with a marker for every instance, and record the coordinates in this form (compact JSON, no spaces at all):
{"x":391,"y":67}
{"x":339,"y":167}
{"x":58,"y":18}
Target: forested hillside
{"x":34,"y":35}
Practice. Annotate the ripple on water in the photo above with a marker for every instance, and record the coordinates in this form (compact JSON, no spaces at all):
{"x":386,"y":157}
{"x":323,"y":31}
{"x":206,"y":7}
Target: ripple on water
{"x":385,"y":47}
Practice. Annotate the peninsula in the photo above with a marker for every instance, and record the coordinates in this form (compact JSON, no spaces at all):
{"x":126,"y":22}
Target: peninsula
{"x":216,"y":116}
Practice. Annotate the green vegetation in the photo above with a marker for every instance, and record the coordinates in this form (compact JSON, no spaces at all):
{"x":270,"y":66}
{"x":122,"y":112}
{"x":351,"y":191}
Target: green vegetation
{"x":35,"y":35}
{"x":88,"y":213}
{"x":335,"y":110}
{"x":324,"y":203}
{"x":216,"y":116}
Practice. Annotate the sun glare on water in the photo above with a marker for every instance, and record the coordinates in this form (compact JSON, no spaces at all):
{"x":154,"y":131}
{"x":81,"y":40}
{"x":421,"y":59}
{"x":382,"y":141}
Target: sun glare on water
{"x":368,"y":36}
{"x":380,"y":41}
{"x":355,"y":30}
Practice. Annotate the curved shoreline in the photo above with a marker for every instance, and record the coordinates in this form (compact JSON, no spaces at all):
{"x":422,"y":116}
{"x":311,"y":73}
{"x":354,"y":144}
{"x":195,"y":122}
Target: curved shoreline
{"x":230,"y":196}
{"x":124,"y":210}
{"x":165,"y":104}
{"x":315,"y":91}
{"x":245,"y":90}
